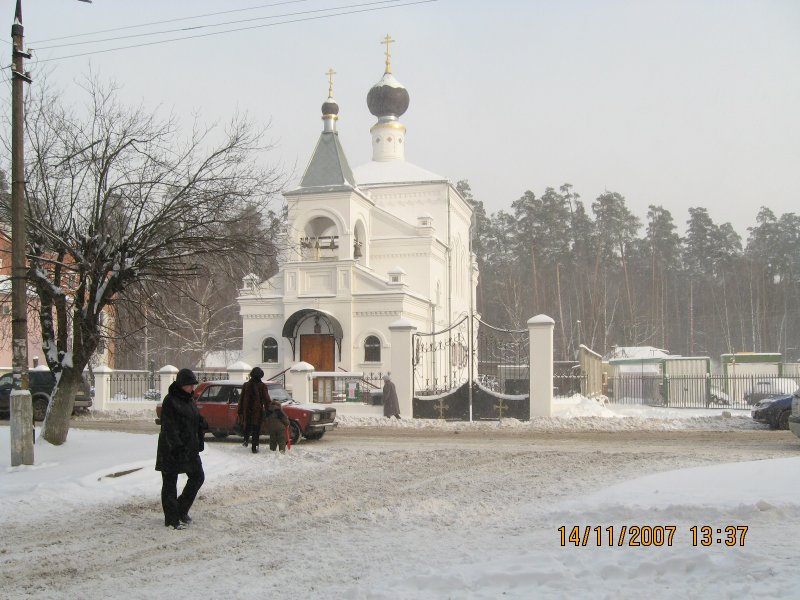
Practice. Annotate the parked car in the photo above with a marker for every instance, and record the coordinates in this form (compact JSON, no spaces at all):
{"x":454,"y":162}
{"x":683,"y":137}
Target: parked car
{"x":774,"y":411}
{"x":41,"y":383}
{"x":218,"y":402}
{"x":794,"y":418}
{"x":770,"y":388}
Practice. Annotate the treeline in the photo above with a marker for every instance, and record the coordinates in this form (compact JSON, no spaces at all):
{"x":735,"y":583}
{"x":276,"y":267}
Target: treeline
{"x":610,"y":280}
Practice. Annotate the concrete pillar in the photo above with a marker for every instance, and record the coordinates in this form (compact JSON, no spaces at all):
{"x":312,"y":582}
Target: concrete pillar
{"x":102,"y":387}
{"x":299,"y":381}
{"x":401,"y":369}
{"x":239,"y":371}
{"x":166,"y":375}
{"x":540,"y":335}
{"x":21,"y":427}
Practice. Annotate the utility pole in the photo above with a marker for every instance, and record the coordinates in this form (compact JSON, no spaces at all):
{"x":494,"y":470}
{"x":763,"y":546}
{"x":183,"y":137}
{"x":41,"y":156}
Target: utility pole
{"x":20,"y":402}
{"x":21,"y":409}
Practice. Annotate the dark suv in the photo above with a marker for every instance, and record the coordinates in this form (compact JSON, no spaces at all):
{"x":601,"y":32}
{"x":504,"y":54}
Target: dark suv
{"x":40,"y":383}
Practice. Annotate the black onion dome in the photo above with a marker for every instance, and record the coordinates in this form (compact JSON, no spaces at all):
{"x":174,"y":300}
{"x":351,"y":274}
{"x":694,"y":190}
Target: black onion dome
{"x":387,"y":98}
{"x":330,"y":107}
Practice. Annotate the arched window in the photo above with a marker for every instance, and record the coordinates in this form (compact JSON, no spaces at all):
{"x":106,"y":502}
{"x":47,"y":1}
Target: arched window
{"x":372,"y":349}
{"x":269,"y":351}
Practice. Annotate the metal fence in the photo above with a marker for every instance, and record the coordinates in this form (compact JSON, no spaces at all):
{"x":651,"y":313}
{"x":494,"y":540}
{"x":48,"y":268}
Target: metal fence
{"x":345,"y":386}
{"x":698,"y":391}
{"x":126,"y":386}
{"x":133,"y":385}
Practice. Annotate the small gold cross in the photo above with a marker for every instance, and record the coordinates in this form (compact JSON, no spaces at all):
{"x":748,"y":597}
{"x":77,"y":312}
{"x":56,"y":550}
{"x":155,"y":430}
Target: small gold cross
{"x":501,"y":407}
{"x":442,"y":408}
{"x":330,"y":73}
{"x":388,"y":40}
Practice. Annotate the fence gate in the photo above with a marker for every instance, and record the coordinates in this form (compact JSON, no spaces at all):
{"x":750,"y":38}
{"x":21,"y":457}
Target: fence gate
{"x":471,"y":371}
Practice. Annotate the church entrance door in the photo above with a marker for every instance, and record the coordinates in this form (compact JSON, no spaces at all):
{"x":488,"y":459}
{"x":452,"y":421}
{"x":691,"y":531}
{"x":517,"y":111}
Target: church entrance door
{"x":318,"y":350}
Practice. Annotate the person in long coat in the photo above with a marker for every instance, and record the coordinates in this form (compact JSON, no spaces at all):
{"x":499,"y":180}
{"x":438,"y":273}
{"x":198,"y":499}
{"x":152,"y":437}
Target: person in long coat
{"x":277,"y":424}
{"x":391,"y":405}
{"x":179,"y":445}
{"x":252,"y":405}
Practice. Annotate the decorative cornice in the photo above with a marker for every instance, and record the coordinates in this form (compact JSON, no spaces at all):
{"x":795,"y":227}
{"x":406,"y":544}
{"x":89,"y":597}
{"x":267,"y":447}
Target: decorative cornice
{"x":378,"y":313}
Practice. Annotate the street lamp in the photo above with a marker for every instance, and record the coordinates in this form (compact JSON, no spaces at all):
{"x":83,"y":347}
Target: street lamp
{"x":20,"y":401}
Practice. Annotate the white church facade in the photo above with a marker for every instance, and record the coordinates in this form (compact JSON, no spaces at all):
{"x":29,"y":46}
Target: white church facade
{"x":365,"y":247}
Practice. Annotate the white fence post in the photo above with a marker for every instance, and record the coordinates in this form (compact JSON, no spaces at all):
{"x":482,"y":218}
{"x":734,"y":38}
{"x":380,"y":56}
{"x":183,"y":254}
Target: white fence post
{"x":402,"y":371}
{"x":166,"y":375}
{"x":298,"y":380}
{"x":540,"y":335}
{"x":102,"y":387}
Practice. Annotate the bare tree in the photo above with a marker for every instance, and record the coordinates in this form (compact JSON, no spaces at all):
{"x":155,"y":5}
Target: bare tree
{"x":119,"y":201}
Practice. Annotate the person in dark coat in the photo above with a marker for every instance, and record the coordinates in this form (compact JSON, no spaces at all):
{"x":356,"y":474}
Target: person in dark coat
{"x":391,"y":405}
{"x":277,"y":422}
{"x":179,"y":445}
{"x":252,"y":405}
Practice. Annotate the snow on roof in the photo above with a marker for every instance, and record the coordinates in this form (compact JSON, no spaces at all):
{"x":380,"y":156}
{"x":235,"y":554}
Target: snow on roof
{"x":636,"y":353}
{"x":392,"y":171}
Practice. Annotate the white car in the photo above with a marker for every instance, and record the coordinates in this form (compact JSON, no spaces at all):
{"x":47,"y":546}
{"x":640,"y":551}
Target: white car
{"x":768,"y":387}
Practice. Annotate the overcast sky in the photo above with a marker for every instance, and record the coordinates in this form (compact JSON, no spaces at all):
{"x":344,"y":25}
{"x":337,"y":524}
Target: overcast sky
{"x":674,"y":103}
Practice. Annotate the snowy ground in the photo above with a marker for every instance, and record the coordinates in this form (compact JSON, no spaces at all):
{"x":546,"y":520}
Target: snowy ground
{"x":418,"y":509}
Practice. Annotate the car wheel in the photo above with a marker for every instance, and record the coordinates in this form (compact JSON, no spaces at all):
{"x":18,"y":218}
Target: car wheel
{"x":219,"y":434}
{"x":294,"y":432}
{"x":783,"y":420}
{"x":39,"y":408}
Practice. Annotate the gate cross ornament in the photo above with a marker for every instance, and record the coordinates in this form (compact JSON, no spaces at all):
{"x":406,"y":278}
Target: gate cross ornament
{"x":442,"y":408}
{"x":501,"y":407}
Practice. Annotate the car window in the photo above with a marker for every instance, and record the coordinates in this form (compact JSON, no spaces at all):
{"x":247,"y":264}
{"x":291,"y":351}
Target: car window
{"x":234,"y":395}
{"x":214,"y":393}
{"x":7,"y":380}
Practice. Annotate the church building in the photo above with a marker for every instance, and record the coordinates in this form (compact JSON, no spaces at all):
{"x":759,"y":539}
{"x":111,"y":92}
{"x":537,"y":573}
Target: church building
{"x":365,"y":247}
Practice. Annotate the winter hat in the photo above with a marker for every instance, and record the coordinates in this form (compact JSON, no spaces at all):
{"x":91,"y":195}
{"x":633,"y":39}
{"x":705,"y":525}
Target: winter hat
{"x":186,"y":377}
{"x":387,"y":377}
{"x":256,"y":373}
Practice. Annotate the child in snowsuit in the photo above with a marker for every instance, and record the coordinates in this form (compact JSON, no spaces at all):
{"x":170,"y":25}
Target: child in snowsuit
{"x":276,"y":422}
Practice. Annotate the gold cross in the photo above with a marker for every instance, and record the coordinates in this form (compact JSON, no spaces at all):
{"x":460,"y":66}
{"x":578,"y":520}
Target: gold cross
{"x":442,"y":408}
{"x":330,"y":73}
{"x":388,"y":40}
{"x":501,"y":407}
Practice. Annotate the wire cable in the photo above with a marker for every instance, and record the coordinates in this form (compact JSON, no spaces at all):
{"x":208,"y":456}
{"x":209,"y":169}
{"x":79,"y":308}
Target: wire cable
{"x":202,"y":35}
{"x":214,"y":14}
{"x":223,"y":24}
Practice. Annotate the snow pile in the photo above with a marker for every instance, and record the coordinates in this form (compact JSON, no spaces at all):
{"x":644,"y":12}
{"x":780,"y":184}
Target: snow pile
{"x":578,"y":413}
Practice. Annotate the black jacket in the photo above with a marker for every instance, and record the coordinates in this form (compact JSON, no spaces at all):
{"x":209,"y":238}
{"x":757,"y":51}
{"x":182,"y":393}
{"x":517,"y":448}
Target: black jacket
{"x":182,"y":429}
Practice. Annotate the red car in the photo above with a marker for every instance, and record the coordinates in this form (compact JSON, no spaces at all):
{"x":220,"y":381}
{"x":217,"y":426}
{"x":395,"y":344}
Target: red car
{"x":218,"y":402}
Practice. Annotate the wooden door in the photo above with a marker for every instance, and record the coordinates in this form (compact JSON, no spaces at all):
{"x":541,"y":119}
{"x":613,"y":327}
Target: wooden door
{"x":318,"y":350}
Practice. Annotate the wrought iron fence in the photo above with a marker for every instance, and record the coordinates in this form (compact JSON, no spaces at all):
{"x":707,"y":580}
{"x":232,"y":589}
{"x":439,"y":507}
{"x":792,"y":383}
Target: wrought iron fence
{"x":698,"y":391}
{"x":503,"y":358}
{"x":441,"y":359}
{"x":567,"y":378}
{"x":211,"y":375}
{"x":132,"y":386}
{"x":345,"y":386}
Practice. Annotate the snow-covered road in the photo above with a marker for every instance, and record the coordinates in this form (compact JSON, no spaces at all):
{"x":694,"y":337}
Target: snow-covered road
{"x":407,"y":513}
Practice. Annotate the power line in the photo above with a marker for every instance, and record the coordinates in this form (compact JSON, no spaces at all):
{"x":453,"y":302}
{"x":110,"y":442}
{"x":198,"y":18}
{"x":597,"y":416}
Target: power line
{"x":214,"y":14}
{"x":313,"y":18}
{"x":223,"y":24}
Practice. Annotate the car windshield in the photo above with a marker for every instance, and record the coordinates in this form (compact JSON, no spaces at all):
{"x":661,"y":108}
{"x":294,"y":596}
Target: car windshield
{"x":277,"y":392}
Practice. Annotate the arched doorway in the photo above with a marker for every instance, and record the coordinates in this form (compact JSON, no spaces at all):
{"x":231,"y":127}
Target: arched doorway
{"x":318,"y":333}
